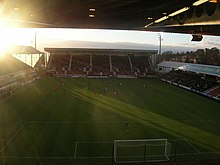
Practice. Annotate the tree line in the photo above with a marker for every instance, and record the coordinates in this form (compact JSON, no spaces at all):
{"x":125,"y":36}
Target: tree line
{"x":200,"y":56}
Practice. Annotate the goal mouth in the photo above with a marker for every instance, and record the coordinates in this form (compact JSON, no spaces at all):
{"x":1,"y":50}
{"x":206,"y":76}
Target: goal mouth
{"x":141,"y":150}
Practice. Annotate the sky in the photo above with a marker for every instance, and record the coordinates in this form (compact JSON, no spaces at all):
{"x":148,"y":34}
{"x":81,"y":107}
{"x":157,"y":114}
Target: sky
{"x":115,"y":39}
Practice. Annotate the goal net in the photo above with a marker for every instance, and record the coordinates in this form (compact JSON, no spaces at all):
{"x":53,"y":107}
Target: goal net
{"x":147,"y":150}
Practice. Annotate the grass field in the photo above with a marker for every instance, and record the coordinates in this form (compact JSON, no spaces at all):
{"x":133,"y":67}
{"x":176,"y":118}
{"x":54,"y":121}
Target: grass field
{"x":62,"y":121}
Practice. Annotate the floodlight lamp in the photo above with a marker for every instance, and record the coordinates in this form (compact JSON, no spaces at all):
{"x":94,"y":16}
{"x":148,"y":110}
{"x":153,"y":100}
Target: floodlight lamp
{"x":161,"y":19}
{"x":213,"y":1}
{"x":91,"y":15}
{"x":92,"y":9}
{"x":179,"y":11}
{"x":16,"y":8}
{"x":148,"y":24}
{"x":199,"y":2}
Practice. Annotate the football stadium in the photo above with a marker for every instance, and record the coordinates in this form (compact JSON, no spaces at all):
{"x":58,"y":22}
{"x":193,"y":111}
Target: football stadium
{"x":82,"y":106}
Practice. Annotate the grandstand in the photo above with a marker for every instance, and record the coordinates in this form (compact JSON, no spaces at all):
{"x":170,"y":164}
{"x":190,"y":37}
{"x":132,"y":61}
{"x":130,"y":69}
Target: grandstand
{"x":92,"y":120}
{"x":26,"y":54}
{"x":15,"y":73}
{"x":101,"y":65}
{"x":9,"y":65}
{"x":202,"y":79}
{"x":75,"y":107}
{"x":100,"y":62}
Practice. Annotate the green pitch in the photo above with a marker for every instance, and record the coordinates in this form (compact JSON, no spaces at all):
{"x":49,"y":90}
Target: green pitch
{"x":75,"y":121}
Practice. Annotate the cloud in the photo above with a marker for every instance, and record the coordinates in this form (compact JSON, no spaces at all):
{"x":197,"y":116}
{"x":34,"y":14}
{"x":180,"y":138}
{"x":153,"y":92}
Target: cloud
{"x":211,"y":44}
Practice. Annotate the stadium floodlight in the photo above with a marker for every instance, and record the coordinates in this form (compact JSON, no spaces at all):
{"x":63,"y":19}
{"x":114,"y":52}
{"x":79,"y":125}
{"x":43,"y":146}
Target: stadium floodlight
{"x":179,"y":11}
{"x":91,"y":15}
{"x":137,"y":151}
{"x":149,"y":24}
{"x":213,"y":1}
{"x":168,"y":16}
{"x":161,"y":19}
{"x":16,"y":8}
{"x":199,"y":2}
{"x":92,"y":9}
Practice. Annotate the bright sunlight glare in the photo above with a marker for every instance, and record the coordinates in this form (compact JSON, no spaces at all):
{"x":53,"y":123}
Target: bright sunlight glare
{"x":4,"y":42}
{"x":13,"y":36}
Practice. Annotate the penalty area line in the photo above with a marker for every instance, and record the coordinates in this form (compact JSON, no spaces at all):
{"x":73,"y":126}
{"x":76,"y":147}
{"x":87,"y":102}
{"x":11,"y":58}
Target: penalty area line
{"x":92,"y":157}
{"x":193,"y":153}
{"x":94,"y":142}
{"x":15,"y":134}
{"x":52,"y":157}
{"x":74,"y":156}
{"x":72,"y":121}
{"x":192,"y":146}
{"x":213,"y":122}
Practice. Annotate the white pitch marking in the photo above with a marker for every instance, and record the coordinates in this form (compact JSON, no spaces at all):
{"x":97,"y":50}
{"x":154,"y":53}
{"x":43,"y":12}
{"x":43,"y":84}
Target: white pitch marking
{"x":70,"y":157}
{"x":192,"y":146}
{"x":214,"y":123}
{"x":13,"y":136}
{"x":95,"y":142}
{"x":75,"y":150}
{"x":80,"y":122}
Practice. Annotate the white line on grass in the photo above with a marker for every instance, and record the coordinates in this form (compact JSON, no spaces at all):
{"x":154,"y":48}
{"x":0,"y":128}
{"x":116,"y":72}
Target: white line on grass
{"x":56,"y":122}
{"x":72,"y":121}
{"x":37,"y":157}
{"x":216,"y":152}
{"x":92,"y":142}
{"x":95,"y":142}
{"x":75,"y":150}
{"x":113,"y":121}
{"x":194,"y":153}
{"x":51,"y":157}
{"x":192,"y":146}
{"x":13,"y":136}
{"x":95,"y":157}
{"x":175,"y":140}
{"x":214,"y":123}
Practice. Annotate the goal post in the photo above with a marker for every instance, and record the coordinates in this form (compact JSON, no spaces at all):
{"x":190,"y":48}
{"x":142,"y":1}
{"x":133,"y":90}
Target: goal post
{"x":141,"y":150}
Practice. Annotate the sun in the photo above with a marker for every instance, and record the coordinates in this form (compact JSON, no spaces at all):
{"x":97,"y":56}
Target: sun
{"x":4,"y":39}
{"x":4,"y":43}
{"x":14,"y":36}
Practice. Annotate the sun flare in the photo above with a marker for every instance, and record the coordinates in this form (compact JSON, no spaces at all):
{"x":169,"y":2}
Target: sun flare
{"x":14,"y":36}
{"x":4,"y":44}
